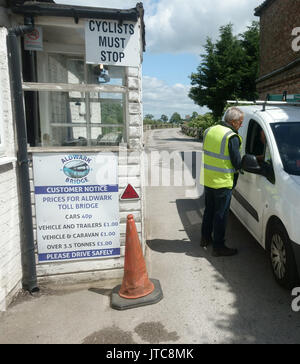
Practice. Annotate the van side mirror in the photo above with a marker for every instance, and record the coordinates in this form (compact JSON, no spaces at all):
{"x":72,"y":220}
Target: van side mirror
{"x":250,"y":164}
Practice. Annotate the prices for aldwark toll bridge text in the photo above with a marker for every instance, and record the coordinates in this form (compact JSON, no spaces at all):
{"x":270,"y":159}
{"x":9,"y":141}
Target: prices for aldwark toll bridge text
{"x":79,"y":221}
{"x":86,"y":236}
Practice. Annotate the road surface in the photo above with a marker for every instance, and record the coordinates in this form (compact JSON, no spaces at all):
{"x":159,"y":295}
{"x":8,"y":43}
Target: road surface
{"x":206,"y":299}
{"x":214,"y":300}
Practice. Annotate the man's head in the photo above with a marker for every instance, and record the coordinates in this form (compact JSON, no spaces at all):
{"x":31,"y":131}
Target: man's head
{"x":234,"y":117}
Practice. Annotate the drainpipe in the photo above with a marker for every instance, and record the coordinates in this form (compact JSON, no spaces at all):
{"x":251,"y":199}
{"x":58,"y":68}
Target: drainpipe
{"x":29,"y":280}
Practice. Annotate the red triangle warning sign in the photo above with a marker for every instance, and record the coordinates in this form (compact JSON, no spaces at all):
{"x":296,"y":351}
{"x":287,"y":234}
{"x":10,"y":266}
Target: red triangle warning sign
{"x":130,"y":193}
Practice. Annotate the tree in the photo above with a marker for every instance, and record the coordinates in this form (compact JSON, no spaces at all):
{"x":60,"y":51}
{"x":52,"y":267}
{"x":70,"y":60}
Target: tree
{"x":164,"y":118}
{"x":228,"y":70}
{"x":111,"y":114}
{"x":149,"y":116}
{"x":250,"y":67}
{"x":194,"y":115}
{"x":204,"y":81}
{"x":175,"y":118}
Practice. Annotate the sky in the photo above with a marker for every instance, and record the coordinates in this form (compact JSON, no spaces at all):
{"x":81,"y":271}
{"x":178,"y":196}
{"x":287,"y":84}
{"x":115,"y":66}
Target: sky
{"x":176,"y":32}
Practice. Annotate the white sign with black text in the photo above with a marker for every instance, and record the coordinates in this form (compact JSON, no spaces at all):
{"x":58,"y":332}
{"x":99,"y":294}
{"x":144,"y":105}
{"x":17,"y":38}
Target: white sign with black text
{"x":112,"y":43}
{"x":77,"y":206}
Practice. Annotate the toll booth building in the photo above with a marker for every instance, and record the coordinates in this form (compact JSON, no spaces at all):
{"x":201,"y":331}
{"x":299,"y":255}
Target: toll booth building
{"x":80,"y":85}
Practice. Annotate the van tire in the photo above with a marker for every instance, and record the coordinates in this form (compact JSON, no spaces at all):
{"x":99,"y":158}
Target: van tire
{"x":282,"y":257}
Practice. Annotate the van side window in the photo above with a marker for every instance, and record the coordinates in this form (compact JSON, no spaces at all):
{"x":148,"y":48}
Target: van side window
{"x":256,"y":141}
{"x":257,"y":145}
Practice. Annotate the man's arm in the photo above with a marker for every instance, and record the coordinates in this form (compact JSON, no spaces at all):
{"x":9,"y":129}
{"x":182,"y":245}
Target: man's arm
{"x":234,"y":152}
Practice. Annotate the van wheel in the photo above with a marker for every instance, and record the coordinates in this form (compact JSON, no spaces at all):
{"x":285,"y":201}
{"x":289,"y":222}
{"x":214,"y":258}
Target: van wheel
{"x":282,"y":257}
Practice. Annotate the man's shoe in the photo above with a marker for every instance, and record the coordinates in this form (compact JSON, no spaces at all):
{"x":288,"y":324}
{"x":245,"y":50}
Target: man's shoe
{"x":224,"y":252}
{"x":205,"y":242}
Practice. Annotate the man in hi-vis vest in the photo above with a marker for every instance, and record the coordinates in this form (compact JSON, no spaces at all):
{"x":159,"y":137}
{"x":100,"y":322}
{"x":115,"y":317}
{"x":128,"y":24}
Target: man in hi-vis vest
{"x":222,"y":161}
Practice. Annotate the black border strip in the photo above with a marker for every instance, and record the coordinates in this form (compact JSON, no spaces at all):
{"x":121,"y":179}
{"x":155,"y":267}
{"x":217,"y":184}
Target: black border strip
{"x":245,"y":204}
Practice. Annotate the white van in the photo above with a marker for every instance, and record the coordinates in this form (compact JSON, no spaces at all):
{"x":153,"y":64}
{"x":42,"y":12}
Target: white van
{"x":267,"y":197}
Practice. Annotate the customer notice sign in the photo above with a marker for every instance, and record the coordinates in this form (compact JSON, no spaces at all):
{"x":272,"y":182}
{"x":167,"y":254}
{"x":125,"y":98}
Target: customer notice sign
{"x":111,"y":43}
{"x":77,"y":206}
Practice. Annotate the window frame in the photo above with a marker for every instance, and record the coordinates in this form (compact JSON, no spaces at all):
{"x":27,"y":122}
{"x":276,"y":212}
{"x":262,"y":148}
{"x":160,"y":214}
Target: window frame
{"x":83,"y":88}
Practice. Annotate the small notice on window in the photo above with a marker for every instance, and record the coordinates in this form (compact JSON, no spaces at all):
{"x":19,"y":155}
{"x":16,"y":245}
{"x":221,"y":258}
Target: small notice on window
{"x":34,"y":40}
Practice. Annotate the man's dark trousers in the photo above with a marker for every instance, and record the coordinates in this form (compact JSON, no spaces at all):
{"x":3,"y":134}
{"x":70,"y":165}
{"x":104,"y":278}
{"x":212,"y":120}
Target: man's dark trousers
{"x":217,"y":204}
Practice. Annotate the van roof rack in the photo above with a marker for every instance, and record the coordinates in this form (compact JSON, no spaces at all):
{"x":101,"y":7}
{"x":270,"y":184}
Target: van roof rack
{"x":272,"y":100}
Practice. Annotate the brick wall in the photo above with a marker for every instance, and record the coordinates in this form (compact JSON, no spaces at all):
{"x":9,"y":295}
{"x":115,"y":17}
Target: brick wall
{"x":277,"y":22}
{"x":10,"y":257}
{"x":287,"y":81}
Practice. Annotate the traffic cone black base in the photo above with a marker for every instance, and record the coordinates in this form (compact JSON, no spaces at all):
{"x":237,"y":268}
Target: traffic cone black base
{"x":122,"y":304}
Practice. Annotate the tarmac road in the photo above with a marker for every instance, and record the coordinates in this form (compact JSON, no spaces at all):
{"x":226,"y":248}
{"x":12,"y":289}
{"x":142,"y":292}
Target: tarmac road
{"x":212,"y":300}
{"x":206,"y":299}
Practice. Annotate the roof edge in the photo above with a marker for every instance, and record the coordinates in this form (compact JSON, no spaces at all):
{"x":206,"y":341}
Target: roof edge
{"x":32,"y":8}
{"x":258,"y":11}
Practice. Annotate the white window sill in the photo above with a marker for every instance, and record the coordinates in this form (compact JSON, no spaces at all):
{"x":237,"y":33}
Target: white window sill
{"x":7,"y":160}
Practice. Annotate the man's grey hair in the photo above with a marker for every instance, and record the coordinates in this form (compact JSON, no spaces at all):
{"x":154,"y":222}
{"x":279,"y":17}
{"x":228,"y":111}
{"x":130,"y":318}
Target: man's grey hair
{"x":233,"y":114}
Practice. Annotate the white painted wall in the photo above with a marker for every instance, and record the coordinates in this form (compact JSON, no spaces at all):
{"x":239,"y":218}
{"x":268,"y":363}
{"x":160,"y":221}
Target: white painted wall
{"x":10,"y":256}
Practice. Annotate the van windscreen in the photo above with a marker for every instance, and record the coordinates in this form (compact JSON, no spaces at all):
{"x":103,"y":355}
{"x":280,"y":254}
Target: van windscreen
{"x":287,"y":137}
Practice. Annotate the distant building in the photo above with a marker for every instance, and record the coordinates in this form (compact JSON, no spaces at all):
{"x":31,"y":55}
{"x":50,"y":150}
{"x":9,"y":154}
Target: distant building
{"x":279,"y":62}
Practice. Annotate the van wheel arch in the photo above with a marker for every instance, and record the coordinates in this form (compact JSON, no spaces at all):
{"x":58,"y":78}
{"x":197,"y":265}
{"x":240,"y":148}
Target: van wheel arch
{"x":273,"y":221}
{"x":276,"y":227}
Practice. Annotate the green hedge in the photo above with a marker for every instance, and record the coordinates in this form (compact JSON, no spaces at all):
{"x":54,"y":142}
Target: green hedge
{"x":198,"y":125}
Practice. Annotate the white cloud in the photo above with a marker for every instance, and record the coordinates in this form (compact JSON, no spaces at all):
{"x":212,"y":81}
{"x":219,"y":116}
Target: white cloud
{"x":160,"y":98}
{"x":176,"y":26}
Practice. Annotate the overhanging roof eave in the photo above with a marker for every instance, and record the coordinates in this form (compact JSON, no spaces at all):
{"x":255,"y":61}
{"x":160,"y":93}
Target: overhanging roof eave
{"x":74,"y":11}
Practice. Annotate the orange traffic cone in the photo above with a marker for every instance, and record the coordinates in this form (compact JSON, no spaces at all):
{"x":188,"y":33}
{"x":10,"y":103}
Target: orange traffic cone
{"x":137,"y":289}
{"x":136,"y":283}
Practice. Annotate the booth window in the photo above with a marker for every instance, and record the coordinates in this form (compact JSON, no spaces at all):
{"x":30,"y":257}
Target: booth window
{"x":77,"y":104}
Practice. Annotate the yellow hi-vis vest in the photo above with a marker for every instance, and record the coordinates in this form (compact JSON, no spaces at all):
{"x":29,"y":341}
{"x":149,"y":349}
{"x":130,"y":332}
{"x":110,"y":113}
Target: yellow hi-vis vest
{"x":217,"y":169}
